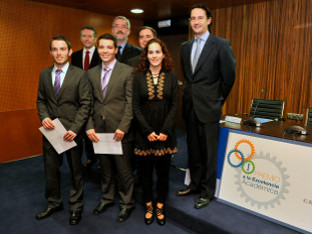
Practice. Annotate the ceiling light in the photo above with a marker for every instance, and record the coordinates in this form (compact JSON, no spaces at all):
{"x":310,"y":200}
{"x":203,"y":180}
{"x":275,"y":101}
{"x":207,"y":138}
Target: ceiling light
{"x":137,"y":11}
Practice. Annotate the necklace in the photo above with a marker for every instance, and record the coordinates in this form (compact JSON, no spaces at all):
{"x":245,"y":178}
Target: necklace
{"x":155,"y":78}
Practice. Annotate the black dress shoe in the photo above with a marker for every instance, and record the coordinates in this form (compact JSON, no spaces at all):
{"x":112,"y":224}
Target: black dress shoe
{"x":202,"y":202}
{"x":48,"y":211}
{"x":101,"y":207}
{"x":124,"y":214}
{"x":186,"y":191}
{"x":75,"y":217}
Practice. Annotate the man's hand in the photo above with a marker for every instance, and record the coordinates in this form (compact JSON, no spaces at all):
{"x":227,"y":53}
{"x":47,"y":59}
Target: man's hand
{"x":152,"y":137}
{"x":92,"y":135}
{"x":69,"y":136}
{"x":162,"y":137}
{"x":119,"y":135}
{"x":48,"y":124}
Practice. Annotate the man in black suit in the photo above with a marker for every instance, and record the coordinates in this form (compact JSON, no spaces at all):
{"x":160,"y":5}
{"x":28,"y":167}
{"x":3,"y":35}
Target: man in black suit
{"x":121,"y":30}
{"x":209,"y":71}
{"x":87,"y":58}
{"x":64,"y":92}
{"x":146,"y":33}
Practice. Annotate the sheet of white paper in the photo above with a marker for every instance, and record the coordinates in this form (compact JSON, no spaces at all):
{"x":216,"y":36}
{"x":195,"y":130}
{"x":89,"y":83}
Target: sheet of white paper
{"x":107,"y":145}
{"x":55,"y":137}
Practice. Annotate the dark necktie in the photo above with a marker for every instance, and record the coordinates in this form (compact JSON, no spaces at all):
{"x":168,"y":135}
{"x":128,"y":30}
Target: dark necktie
{"x":57,"y":82}
{"x":86,"y":61}
{"x":118,"y":55}
{"x":104,"y":80}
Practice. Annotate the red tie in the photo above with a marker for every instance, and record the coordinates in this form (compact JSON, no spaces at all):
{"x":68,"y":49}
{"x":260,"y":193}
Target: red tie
{"x":86,"y":61}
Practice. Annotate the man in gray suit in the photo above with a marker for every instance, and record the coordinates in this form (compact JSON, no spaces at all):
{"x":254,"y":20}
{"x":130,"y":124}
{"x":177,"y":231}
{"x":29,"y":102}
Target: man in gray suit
{"x":112,"y":113}
{"x":209,"y":71}
{"x":64,"y":92}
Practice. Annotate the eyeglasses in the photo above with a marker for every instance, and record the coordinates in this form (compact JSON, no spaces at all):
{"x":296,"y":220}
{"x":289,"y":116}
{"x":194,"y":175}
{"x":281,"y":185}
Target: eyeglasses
{"x":199,"y":18}
{"x":120,"y":26}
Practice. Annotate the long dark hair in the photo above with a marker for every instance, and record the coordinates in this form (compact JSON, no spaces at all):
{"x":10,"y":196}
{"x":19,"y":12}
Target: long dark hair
{"x":144,"y":64}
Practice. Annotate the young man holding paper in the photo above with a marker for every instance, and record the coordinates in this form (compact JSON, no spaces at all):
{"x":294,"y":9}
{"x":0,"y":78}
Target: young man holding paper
{"x":64,"y":92}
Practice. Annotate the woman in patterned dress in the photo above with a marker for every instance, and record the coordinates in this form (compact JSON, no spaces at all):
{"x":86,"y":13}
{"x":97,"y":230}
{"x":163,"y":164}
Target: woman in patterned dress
{"x":155,"y":104}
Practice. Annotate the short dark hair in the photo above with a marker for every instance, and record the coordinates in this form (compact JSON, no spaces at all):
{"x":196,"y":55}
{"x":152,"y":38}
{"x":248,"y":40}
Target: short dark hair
{"x":150,"y":28}
{"x":89,"y":27}
{"x":201,"y":6}
{"x":60,"y":38}
{"x":107,"y":36}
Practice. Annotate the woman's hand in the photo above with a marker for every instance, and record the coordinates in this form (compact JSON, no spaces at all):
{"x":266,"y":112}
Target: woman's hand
{"x":162,"y":137}
{"x":152,"y":137}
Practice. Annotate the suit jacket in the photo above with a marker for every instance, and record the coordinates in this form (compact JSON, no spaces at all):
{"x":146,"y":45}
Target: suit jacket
{"x":73,"y":104}
{"x":207,"y":88}
{"x":129,"y":52}
{"x":76,"y":59}
{"x":134,"y":61}
{"x":114,"y":111}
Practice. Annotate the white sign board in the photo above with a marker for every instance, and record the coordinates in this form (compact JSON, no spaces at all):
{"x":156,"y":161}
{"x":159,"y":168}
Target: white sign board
{"x":270,"y":177}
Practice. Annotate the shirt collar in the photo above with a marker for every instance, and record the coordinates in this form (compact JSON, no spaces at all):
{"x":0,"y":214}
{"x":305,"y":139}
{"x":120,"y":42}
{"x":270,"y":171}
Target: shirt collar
{"x":111,"y":65}
{"x":90,"y":50}
{"x":64,"y":68}
{"x":123,"y":45}
{"x":204,"y":37}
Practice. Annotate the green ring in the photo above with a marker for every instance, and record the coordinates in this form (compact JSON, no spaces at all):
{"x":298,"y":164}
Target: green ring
{"x":251,"y":170}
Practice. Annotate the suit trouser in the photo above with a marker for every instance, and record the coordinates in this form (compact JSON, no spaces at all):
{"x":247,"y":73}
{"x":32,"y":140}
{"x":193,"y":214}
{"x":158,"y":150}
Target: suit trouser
{"x":202,"y":142}
{"x":89,"y":148}
{"x":162,"y":166}
{"x":115,"y":172}
{"x":52,"y":162}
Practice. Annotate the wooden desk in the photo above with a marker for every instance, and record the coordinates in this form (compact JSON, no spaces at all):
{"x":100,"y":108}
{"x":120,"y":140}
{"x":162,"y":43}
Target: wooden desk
{"x":273,"y":128}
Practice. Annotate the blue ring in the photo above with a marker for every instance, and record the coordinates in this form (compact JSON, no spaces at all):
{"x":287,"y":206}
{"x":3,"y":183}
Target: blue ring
{"x":237,"y":151}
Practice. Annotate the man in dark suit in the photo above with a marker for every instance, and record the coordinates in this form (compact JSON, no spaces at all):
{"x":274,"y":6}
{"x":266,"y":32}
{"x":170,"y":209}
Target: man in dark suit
{"x":121,"y":30}
{"x":78,"y":58}
{"x":64,"y":92}
{"x":209,"y":70}
{"x":87,"y":58}
{"x":146,"y":33}
{"x":112,"y":113}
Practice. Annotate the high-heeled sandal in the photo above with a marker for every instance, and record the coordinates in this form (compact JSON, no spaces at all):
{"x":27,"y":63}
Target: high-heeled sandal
{"x":148,"y":210}
{"x":159,"y":212}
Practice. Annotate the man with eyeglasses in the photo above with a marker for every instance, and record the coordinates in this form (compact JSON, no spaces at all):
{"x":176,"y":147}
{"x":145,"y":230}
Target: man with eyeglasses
{"x":121,"y":30}
{"x":87,"y":58}
{"x":209,"y":71}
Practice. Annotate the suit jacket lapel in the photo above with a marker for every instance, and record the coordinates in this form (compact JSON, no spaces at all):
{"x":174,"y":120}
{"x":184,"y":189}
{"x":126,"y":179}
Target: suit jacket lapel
{"x":80,"y":56}
{"x":188,"y":53}
{"x":94,"y":59}
{"x":98,"y":83}
{"x":206,"y":52}
{"x":50,"y":85}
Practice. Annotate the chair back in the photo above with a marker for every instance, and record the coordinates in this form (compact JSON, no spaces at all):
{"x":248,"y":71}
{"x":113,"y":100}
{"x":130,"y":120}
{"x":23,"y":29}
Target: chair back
{"x":268,"y":109}
{"x":309,"y":116}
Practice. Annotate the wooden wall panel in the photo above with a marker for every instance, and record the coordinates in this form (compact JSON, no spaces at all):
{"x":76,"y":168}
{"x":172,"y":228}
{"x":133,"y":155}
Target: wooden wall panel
{"x":26,"y":28}
{"x":19,"y":135}
{"x":272,"y":43}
